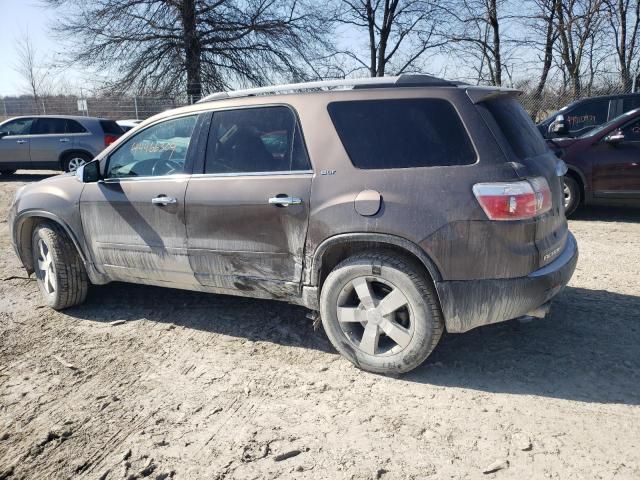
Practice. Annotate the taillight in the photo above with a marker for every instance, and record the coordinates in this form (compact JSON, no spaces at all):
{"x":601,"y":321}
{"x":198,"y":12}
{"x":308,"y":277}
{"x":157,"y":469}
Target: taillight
{"x":514,"y":200}
{"x":109,"y":139}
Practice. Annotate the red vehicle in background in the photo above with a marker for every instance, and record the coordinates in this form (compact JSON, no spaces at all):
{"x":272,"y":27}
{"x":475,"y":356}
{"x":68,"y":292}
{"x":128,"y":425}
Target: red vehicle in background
{"x":603,"y":164}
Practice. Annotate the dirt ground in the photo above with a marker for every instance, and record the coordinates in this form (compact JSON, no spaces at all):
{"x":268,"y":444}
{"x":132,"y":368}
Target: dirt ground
{"x":197,"y":386}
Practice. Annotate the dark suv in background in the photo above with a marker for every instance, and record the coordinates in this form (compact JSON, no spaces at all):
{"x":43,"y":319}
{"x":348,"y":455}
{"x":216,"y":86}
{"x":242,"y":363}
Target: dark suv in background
{"x":396,"y":207}
{"x":55,"y":142}
{"x":580,"y":116}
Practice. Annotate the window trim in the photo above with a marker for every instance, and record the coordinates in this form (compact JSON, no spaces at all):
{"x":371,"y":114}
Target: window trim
{"x":476,"y":154}
{"x":203,"y":164}
{"x":194,"y":135}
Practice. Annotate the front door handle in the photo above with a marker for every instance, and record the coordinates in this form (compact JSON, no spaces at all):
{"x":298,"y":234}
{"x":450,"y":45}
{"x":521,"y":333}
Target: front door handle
{"x":284,"y":201}
{"x":21,"y":141}
{"x":163,"y":200}
{"x":64,"y":140}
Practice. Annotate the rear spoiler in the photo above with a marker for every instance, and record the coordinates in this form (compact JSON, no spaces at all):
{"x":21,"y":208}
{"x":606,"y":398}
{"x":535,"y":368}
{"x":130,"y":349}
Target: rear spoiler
{"x":483,"y":94}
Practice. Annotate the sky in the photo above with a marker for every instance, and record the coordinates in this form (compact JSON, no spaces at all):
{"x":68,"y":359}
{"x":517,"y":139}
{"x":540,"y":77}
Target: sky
{"x":19,"y":16}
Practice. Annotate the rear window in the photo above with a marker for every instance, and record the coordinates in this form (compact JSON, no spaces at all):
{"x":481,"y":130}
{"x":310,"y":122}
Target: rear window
{"x":407,"y":133}
{"x":110,"y":127}
{"x":517,"y":127}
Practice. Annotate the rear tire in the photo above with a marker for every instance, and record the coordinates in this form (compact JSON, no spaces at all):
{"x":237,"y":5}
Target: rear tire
{"x":572,"y":195}
{"x":59,"y":269}
{"x":7,"y":172}
{"x":72,"y":161}
{"x":381,"y":312}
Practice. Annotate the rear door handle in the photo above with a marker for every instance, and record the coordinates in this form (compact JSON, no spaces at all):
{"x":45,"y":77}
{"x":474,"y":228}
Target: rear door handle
{"x":21,"y":141}
{"x":64,"y":140}
{"x":164,"y":200}
{"x":284,"y":201}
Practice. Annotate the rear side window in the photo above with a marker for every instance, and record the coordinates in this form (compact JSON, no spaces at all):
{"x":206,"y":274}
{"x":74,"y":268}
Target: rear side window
{"x":49,"y":126}
{"x":517,"y":127}
{"x":379,"y":134}
{"x":110,"y":127}
{"x":264,"y":139}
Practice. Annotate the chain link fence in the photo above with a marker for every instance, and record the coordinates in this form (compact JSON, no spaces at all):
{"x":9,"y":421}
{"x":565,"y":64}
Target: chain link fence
{"x":115,"y":108}
{"x":141,"y":107}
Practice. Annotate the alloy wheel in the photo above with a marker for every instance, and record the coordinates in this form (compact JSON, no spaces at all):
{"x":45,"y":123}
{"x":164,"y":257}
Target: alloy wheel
{"x":568,"y":197}
{"x":375,"y":316}
{"x":46,"y":268}
{"x":75,"y":163}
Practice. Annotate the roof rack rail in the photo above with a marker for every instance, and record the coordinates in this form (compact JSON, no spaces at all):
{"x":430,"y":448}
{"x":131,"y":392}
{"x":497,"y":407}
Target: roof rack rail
{"x":404,"y":80}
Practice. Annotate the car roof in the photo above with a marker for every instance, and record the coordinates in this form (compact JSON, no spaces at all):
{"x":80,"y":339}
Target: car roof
{"x":263,"y":95}
{"x":65,"y":117}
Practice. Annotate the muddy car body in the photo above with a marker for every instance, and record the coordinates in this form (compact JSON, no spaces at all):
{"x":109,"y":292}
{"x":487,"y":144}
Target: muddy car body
{"x":389,"y":243}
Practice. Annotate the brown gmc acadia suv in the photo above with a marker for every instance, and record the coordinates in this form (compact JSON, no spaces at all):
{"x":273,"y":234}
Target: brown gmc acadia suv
{"x":396,"y":207}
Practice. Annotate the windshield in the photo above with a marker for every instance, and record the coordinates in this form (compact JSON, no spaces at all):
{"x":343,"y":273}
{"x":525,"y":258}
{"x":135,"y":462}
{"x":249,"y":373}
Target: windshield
{"x":605,"y":126}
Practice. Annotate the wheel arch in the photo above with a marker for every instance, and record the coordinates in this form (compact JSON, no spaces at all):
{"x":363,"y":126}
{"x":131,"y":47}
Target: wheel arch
{"x":579,"y":177}
{"x":72,"y":151}
{"x":25,"y":225}
{"x":335,"y":249}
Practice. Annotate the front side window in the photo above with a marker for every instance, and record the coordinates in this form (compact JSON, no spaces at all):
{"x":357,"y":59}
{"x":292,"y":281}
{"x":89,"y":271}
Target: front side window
{"x":379,"y":134}
{"x":587,"y":115}
{"x":262,"y":139}
{"x":21,"y":126}
{"x":155,"y":151}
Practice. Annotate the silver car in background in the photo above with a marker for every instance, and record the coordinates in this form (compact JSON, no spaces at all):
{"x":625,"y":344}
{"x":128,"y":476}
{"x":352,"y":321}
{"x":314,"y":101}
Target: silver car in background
{"x":53,"y":142}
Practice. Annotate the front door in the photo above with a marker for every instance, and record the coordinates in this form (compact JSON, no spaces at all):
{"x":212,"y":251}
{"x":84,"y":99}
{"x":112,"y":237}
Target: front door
{"x":616,"y":166}
{"x":14,"y":144}
{"x":134,"y":219}
{"x":247,"y":212}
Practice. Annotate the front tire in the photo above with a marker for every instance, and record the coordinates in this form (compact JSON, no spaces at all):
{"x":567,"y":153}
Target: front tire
{"x":572,"y":195}
{"x":59,"y":269}
{"x":381,"y":313}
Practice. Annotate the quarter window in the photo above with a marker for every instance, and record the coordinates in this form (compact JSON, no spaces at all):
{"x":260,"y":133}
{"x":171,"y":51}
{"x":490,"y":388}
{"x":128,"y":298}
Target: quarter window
{"x":155,"y":151}
{"x":407,"y":133}
{"x":264,"y":139}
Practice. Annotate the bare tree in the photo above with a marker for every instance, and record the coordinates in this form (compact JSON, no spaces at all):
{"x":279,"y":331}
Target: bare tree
{"x":545,"y":27}
{"x":624,"y":20}
{"x":398,"y":32}
{"x":30,"y":67}
{"x":577,"y":22}
{"x":477,"y":31}
{"x":171,"y":46}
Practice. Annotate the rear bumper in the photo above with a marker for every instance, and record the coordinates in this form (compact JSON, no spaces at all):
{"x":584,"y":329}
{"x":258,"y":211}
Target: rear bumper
{"x":472,"y":303}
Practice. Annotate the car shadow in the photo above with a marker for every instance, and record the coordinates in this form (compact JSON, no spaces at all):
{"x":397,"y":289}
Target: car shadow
{"x":247,"y":318}
{"x":587,"y":349}
{"x":607,"y":214}
{"x":27,"y":177}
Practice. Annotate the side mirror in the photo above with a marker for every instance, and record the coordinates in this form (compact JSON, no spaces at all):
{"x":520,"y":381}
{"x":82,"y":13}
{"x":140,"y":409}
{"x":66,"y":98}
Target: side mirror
{"x":89,"y":172}
{"x":559,"y":127}
{"x":615,"y":138}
